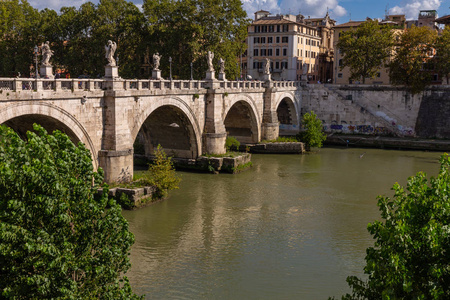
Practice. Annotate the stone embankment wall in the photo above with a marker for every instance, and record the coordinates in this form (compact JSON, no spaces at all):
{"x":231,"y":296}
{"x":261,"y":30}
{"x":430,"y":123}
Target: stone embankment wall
{"x":380,"y":110}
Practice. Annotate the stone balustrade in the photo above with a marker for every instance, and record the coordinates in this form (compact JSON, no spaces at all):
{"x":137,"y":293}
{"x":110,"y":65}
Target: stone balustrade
{"x":30,"y":84}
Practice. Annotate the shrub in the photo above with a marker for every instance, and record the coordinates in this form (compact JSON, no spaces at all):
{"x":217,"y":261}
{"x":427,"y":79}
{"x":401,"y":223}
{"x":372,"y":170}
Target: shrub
{"x":232,"y":143}
{"x":161,"y":174}
{"x":312,"y":134}
{"x":56,"y":239}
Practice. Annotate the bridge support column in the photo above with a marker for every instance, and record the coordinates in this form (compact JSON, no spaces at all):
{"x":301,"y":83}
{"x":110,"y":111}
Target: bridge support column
{"x":270,"y":127}
{"x":214,"y":135}
{"x":116,"y":156}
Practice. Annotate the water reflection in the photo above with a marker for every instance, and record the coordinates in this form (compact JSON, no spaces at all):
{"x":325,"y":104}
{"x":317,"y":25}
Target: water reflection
{"x":293,"y":227}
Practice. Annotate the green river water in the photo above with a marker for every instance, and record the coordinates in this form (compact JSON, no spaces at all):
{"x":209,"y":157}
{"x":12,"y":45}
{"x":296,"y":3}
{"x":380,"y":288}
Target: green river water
{"x":291,"y":227}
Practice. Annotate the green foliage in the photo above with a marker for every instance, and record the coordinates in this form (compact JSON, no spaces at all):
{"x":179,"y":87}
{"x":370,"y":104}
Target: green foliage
{"x":185,"y":30}
{"x":312,"y":134}
{"x":231,"y":143}
{"x":281,"y":139}
{"x":366,"y":49}
{"x":412,"y":57}
{"x":161,"y":174}
{"x":441,"y":60}
{"x":410,"y":257}
{"x":56,"y":239}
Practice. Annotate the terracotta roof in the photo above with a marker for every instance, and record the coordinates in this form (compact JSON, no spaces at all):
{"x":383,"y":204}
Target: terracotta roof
{"x":349,"y":24}
{"x":443,"y":20}
{"x":262,"y":11}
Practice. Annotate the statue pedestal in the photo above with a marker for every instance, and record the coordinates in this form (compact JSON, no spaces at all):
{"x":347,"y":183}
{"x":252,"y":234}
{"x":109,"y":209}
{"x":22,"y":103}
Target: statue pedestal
{"x":210,"y":75}
{"x":267,"y":77}
{"x":111,"y":72}
{"x":222,"y":76}
{"x":156,"y":74}
{"x":47,"y":72}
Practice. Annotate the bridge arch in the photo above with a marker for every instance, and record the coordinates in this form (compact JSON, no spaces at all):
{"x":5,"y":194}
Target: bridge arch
{"x":168,"y":121}
{"x":22,"y":116}
{"x":287,"y":113}
{"x":242,"y":120}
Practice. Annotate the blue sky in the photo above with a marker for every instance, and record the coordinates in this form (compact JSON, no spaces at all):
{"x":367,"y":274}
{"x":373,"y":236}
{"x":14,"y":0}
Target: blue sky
{"x":340,"y":10}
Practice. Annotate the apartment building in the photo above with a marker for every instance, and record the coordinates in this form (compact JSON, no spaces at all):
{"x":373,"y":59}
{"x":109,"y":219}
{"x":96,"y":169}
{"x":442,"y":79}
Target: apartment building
{"x":288,"y":41}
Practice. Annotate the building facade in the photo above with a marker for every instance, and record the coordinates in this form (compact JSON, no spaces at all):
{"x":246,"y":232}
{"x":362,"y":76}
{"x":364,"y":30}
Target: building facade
{"x":292,"y":44}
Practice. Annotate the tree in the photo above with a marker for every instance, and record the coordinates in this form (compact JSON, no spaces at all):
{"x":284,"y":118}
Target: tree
{"x":187,"y":29}
{"x":442,"y":58}
{"x":366,"y":49}
{"x":161,"y":174}
{"x":413,"y":52}
{"x":312,"y":135}
{"x":410,"y":258}
{"x":56,"y":239}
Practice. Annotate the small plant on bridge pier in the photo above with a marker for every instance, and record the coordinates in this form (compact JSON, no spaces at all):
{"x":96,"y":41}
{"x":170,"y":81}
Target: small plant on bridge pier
{"x":231,"y":143}
{"x":161,"y":174}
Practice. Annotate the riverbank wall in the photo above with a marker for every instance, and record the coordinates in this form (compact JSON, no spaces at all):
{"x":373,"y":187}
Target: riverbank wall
{"x":380,"y":110}
{"x":383,"y":142}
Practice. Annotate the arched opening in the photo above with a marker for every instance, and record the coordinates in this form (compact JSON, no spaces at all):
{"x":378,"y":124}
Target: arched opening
{"x":241,"y":123}
{"x":22,"y":124}
{"x":287,"y":117}
{"x":169,"y":127}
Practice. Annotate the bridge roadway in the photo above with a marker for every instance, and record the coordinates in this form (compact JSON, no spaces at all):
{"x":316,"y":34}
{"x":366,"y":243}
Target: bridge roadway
{"x":112,"y":117}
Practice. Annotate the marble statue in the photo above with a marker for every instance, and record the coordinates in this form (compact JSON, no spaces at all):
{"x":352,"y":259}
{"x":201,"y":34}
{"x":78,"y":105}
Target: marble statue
{"x":156,"y":60}
{"x":210,"y":61}
{"x":222,"y":65}
{"x":46,"y":54}
{"x":305,"y":68}
{"x":110,"y":48}
{"x":267,"y":67}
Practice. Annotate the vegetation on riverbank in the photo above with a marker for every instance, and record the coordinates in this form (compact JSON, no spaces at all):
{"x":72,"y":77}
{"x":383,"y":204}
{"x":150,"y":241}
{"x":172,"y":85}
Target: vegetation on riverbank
{"x":409,"y":259}
{"x":59,"y":239}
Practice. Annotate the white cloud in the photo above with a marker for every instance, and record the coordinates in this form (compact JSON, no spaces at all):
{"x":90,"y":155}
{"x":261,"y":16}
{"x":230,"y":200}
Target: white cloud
{"x":252,"y":6}
{"x":55,"y":4}
{"x":313,"y":8}
{"x":411,"y":8}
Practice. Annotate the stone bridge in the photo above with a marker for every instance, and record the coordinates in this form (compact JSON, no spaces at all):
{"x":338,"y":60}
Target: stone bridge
{"x":187,"y":118}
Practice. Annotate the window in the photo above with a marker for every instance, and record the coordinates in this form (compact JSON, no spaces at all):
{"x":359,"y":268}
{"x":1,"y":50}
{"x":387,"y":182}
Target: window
{"x":278,"y":28}
{"x":340,"y":63}
{"x":255,"y":52}
{"x":269,"y":52}
{"x":277,"y":52}
{"x":257,"y":29}
{"x":285,"y":28}
{"x":284,"y":39}
{"x":255,"y":65}
{"x":284,"y":65}
{"x":278,"y":39}
{"x":270,"y":40}
{"x":339,"y":75}
{"x":277,"y":65}
{"x":256,"y":40}
{"x":284,"y":51}
{"x":263,"y":40}
{"x":271,"y":28}
{"x":263,"y":52}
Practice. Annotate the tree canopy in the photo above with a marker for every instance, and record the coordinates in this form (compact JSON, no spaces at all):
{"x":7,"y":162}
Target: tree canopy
{"x":56,"y":239}
{"x":441,"y":60}
{"x":411,"y":64}
{"x":312,"y":135}
{"x":410,"y":257}
{"x":184,"y":30}
{"x":366,"y":49}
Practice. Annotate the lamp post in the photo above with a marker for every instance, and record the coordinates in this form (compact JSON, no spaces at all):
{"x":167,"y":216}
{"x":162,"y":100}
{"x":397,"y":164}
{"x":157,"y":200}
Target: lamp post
{"x":192,"y":77}
{"x":36,"y":50}
{"x":170,"y":65}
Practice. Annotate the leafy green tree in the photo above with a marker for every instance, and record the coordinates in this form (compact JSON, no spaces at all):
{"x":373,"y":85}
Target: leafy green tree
{"x":410,"y":258}
{"x":56,"y":239}
{"x":161,"y":174}
{"x":366,"y":49}
{"x":312,"y":135}
{"x":187,"y":29}
{"x":412,"y":55}
{"x":442,"y":58}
